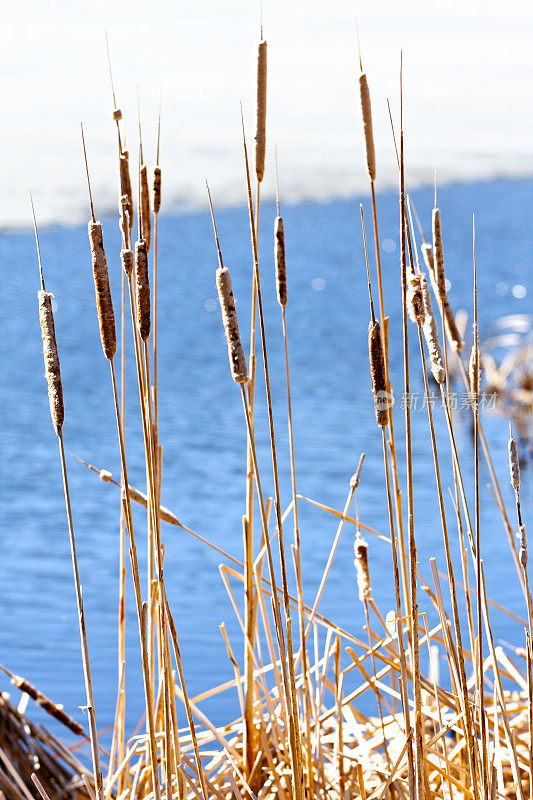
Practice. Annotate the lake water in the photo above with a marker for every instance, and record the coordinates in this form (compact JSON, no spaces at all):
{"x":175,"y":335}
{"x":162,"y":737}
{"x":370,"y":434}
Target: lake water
{"x":202,"y":430}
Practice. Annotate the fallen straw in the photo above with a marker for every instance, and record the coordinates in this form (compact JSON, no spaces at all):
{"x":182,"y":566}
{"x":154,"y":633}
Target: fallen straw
{"x":55,"y":396}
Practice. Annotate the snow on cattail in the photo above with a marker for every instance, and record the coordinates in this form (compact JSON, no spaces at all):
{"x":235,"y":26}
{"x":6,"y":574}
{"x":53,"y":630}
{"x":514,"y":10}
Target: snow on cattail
{"x":237,"y":359}
{"x":361,"y":565}
{"x":452,"y":331}
{"x":125,"y":183}
{"x":514,"y":464}
{"x":431,"y":334}
{"x":415,"y":300}
{"x":523,"y":545}
{"x":126,"y":259}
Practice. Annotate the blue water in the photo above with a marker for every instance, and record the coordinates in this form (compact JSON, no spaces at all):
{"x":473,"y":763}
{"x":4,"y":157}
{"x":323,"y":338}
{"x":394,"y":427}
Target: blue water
{"x":202,"y":429}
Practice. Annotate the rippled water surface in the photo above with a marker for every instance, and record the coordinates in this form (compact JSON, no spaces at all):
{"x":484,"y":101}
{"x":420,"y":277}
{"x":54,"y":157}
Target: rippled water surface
{"x":202,"y":429}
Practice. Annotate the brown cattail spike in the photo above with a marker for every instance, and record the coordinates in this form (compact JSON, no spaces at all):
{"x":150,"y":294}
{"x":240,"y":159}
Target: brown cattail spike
{"x":366,"y":110}
{"x":438,"y":256}
{"x":431,"y":334}
{"x":117,"y":114}
{"x":361,"y":565}
{"x":145,"y":207}
{"x":125,"y":183}
{"x":51,"y":360}
{"x":104,"y":303}
{"x":260,"y":131}
{"x":452,"y":331}
{"x":415,"y":300}
{"x":142,"y":288}
{"x":157,"y":189}
{"x":514,"y":463}
{"x":377,"y":374}
{"x":126,"y":259}
{"x":279,"y":258}
{"x":237,"y":359}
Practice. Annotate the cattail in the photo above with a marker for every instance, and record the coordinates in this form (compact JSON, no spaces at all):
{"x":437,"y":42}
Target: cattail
{"x":377,"y":373}
{"x":142,"y":287}
{"x":237,"y":359}
{"x":523,"y":545}
{"x":279,"y":259}
{"x":157,"y":189}
{"x":415,"y":300}
{"x":51,"y":360}
{"x":124,"y":217}
{"x":145,"y":207}
{"x":438,"y":256}
{"x":431,"y":334}
{"x":366,"y":110}
{"x":514,"y":464}
{"x":125,"y":183}
{"x":452,"y":331}
{"x":104,"y":303}
{"x":361,"y":565}
{"x":45,"y":703}
{"x":473,"y":367}
{"x":126,"y":259}
{"x":117,"y":114}
{"x":260,"y":133}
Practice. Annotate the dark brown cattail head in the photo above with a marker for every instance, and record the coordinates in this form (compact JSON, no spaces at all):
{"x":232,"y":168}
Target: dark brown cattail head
{"x":146,"y":226}
{"x":366,"y":110}
{"x":415,"y":300}
{"x":51,"y":360}
{"x":438,"y":256}
{"x":142,"y":289}
{"x":104,"y":303}
{"x":126,"y":259}
{"x":514,"y":463}
{"x":157,"y":189}
{"x":279,"y":259}
{"x":377,"y":374}
{"x":361,"y":565}
{"x":260,"y":131}
{"x":431,"y":334}
{"x":125,"y":183}
{"x":452,"y":331}
{"x":117,"y":114}
{"x":237,"y":359}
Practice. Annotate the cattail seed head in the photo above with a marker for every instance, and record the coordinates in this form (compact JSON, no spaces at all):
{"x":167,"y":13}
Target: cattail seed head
{"x":51,"y":360}
{"x":438,"y":255}
{"x":431,"y":334}
{"x":514,"y":464}
{"x":237,"y":359}
{"x":126,"y":259}
{"x":260,"y":132}
{"x":377,"y":374}
{"x":366,"y":110}
{"x":415,"y":301}
{"x":452,"y":331}
{"x":142,"y":289}
{"x":125,"y":183}
{"x":523,"y":545}
{"x":117,"y":114}
{"x":47,"y":705}
{"x":104,"y":303}
{"x":279,"y":259}
{"x":157,"y":189}
{"x":361,"y":565}
{"x":146,"y":226}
